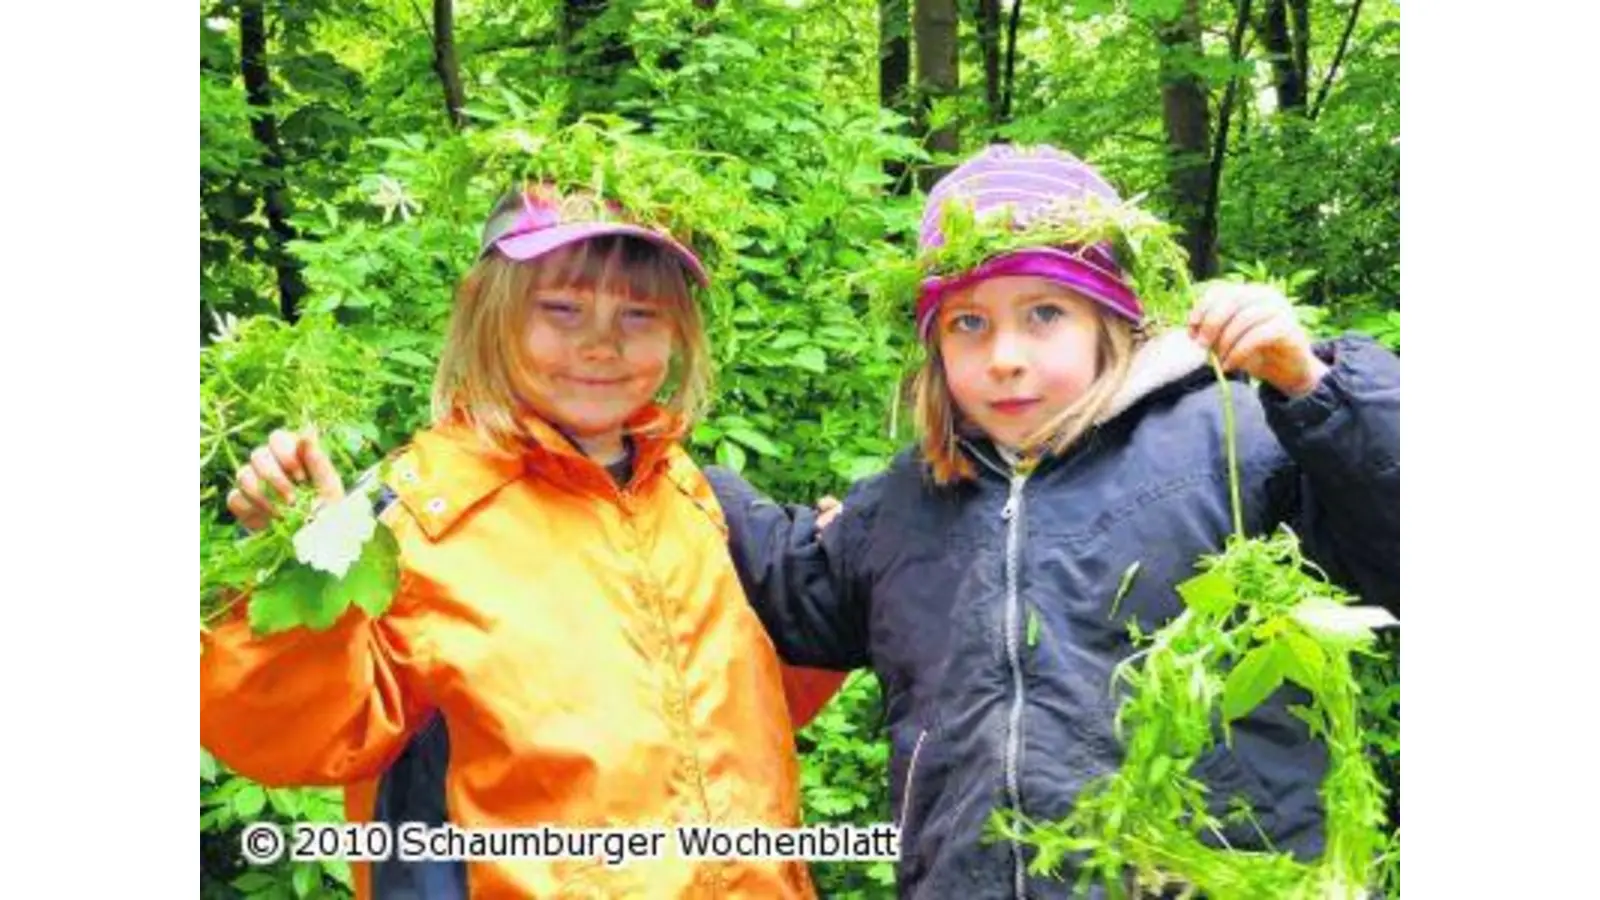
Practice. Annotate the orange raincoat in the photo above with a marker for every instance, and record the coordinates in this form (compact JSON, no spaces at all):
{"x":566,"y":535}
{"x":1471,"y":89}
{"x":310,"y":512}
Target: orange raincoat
{"x":590,"y":649}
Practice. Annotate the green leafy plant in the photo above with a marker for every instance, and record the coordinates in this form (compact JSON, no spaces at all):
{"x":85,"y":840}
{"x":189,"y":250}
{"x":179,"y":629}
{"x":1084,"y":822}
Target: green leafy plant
{"x":307,"y":567}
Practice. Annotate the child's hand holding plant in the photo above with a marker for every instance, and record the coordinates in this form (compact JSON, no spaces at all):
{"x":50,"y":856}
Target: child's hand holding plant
{"x":287,"y":459}
{"x":314,"y":550}
{"x":1253,"y":328}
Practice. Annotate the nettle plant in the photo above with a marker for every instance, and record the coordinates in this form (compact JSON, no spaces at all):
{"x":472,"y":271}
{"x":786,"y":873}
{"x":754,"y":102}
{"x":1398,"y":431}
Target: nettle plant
{"x":309,"y":565}
{"x":1257,"y":614}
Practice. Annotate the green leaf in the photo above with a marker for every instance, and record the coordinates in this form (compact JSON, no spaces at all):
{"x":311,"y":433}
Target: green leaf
{"x":250,"y":801}
{"x":731,"y":455}
{"x":788,"y":339}
{"x":291,"y":597}
{"x":251,"y":882}
{"x":371,"y":582}
{"x":763,"y":179}
{"x":1209,"y":592}
{"x":208,"y":766}
{"x":1033,"y":628}
{"x":1252,"y":681}
{"x":338,"y":870}
{"x":411,"y":358}
{"x":812,"y":359}
{"x":306,"y":878}
{"x":1158,"y":770}
{"x":755,"y":440}
{"x":1303,"y":660}
{"x":1338,"y":624}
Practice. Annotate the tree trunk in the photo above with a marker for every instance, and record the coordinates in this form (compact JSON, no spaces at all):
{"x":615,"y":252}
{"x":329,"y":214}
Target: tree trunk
{"x":275,"y":193}
{"x":989,"y":41}
{"x":894,"y":73}
{"x":1219,"y":153}
{"x":1287,"y":75}
{"x":444,"y":61}
{"x":1338,"y":57}
{"x":1011,"y":58}
{"x":1188,"y":125}
{"x":935,"y":24}
{"x":1300,"y":11}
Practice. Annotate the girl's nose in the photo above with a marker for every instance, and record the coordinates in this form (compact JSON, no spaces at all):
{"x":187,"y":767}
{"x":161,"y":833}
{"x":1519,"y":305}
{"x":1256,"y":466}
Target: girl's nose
{"x":601,"y":340}
{"x":1006,"y":356}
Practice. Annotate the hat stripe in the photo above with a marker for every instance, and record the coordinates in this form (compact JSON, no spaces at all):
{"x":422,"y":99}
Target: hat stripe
{"x":1078,"y":179}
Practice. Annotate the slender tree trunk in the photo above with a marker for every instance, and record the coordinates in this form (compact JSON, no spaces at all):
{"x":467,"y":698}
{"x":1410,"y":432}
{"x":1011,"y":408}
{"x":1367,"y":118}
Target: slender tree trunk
{"x":894,"y":74}
{"x":989,"y":42}
{"x":258,"y":93}
{"x":1011,"y":58}
{"x":444,"y":61}
{"x":1300,"y":12}
{"x":1219,"y":153}
{"x":935,"y":24}
{"x":1287,"y":75}
{"x":1338,"y":57}
{"x":1188,"y":126}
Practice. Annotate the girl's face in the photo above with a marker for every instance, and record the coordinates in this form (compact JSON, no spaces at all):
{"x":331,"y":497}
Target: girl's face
{"x":593,"y":359}
{"x":1017,"y":351}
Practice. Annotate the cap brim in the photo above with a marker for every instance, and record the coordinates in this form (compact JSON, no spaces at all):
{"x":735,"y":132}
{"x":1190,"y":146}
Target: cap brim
{"x":1065,"y":268}
{"x":524,"y":247}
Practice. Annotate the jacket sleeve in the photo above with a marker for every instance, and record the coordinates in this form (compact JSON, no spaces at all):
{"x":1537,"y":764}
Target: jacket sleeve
{"x":302,"y":707}
{"x":1343,"y":495}
{"x":808,"y":690}
{"x":805,"y":587}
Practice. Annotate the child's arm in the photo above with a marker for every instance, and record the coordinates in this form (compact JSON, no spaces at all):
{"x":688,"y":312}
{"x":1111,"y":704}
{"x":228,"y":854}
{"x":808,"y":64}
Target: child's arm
{"x":302,"y":707}
{"x":305,"y":707}
{"x":1344,"y":437}
{"x":804,"y":585}
{"x":1336,"y":411}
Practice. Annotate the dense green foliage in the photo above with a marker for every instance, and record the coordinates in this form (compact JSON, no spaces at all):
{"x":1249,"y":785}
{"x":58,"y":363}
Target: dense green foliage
{"x":329,"y":254}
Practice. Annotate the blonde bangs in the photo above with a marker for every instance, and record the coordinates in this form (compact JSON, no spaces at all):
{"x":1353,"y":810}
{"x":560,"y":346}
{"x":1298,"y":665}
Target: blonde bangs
{"x":482,"y":365}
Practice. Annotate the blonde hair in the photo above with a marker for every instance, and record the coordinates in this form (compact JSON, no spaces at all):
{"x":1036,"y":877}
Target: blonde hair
{"x":940,"y":424}
{"x":482,"y":368}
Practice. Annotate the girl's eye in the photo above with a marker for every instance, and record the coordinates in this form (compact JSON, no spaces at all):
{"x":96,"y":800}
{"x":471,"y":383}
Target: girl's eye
{"x":563,"y":310}
{"x":640,"y":315}
{"x":965,"y":323}
{"x":1045,"y":313}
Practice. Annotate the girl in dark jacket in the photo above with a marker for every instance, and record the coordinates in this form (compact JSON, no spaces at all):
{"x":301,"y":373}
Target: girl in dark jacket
{"x":1062,"y":440}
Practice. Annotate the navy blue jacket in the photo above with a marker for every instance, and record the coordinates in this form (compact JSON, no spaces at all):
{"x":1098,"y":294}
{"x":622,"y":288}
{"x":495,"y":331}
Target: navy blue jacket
{"x":934,"y":588}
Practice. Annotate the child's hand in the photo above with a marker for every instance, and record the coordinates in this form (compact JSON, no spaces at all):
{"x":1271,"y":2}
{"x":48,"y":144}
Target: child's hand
{"x":285,"y":460}
{"x":828,"y":509}
{"x":1254,"y":328}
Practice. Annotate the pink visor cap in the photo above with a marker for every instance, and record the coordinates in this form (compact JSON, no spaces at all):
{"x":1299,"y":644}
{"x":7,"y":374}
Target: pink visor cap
{"x":528,"y":224}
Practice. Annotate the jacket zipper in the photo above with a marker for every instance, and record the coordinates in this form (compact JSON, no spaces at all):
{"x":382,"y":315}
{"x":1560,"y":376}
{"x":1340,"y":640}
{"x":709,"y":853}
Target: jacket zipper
{"x":1011,"y":514}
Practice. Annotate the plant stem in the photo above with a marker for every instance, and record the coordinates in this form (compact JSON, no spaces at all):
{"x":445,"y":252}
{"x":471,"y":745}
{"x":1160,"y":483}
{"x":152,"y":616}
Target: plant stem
{"x":1233,"y":453}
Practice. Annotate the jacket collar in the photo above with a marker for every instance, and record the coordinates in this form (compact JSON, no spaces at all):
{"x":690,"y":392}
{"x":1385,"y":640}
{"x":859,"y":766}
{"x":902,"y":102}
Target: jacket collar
{"x":447,"y":470}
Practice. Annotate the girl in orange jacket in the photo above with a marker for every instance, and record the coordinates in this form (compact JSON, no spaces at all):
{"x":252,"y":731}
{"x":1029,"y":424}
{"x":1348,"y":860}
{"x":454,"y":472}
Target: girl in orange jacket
{"x":569,"y":643}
